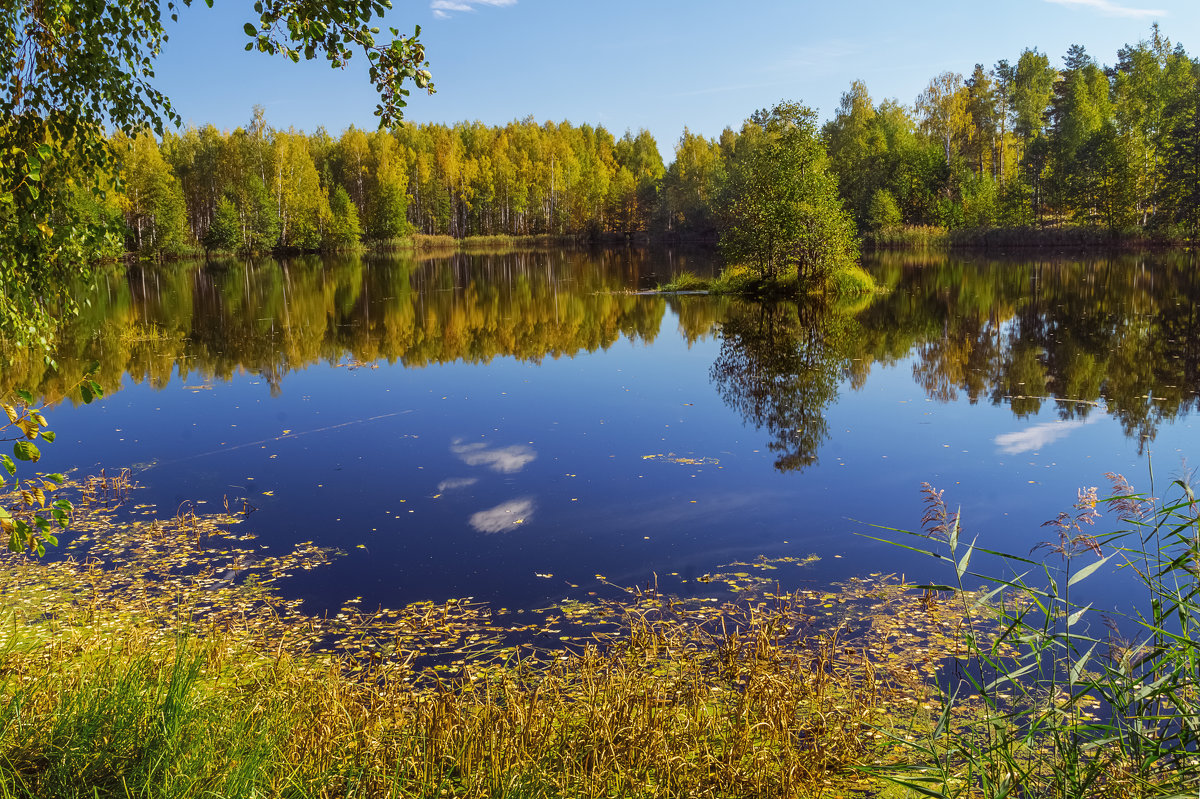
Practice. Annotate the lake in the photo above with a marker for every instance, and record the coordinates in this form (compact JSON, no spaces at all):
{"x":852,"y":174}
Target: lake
{"x":510,"y":426}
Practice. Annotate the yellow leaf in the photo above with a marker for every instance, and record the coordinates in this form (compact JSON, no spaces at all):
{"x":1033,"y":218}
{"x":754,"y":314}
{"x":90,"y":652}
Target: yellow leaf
{"x":12,"y":414}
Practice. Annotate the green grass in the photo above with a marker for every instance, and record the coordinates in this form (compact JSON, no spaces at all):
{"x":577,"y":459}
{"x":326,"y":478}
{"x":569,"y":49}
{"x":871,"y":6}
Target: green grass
{"x":1066,"y":236}
{"x":433,"y":243}
{"x":742,"y":281}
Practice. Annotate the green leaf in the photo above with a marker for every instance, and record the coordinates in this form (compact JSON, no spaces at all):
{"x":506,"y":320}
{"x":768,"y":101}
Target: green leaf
{"x":1074,"y":617}
{"x":250,"y":29}
{"x":1077,"y":669}
{"x":26,"y":451}
{"x":25,"y":396}
{"x":961,"y":566}
{"x":9,"y":466}
{"x":1087,"y":571}
{"x":48,"y":435}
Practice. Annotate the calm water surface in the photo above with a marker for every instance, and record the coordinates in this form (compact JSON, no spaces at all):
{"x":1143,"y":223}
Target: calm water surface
{"x":467,"y":426}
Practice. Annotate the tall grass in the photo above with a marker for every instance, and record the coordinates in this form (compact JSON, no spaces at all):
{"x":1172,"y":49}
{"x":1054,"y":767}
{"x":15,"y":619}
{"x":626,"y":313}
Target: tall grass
{"x":849,"y":282}
{"x":1085,"y":702}
{"x":741,"y":704}
{"x":422,"y":242}
{"x":919,"y":237}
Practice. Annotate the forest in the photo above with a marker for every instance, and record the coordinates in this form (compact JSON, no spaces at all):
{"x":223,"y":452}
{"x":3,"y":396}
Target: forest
{"x":1020,"y":144}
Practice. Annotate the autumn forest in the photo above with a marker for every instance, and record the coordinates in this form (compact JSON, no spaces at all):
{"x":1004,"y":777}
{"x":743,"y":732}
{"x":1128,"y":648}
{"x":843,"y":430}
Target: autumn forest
{"x":1021,"y":143}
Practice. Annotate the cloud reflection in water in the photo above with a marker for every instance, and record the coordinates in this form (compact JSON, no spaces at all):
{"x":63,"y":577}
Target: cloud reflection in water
{"x":451,"y":483}
{"x":506,"y":460}
{"x":1040,"y":435}
{"x":504,"y":517}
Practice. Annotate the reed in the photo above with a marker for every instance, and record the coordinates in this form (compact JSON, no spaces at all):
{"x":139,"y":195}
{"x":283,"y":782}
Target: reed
{"x":1086,"y":701}
{"x":1067,"y":236}
{"x":422,"y":242}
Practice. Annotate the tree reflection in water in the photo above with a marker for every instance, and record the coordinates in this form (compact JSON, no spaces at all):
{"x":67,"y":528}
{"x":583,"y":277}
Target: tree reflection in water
{"x":779,"y":366}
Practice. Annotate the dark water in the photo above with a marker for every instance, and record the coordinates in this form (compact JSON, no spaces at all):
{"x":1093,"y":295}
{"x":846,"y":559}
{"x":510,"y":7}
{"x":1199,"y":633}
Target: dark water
{"x":465,"y":426}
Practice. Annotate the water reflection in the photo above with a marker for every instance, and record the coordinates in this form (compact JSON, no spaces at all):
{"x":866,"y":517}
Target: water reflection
{"x":503,"y":518}
{"x":455,"y":483}
{"x":1041,"y":435}
{"x":506,"y":460}
{"x":1116,"y":334}
{"x":1106,"y":335}
{"x":270,"y":318}
{"x":779,"y":366}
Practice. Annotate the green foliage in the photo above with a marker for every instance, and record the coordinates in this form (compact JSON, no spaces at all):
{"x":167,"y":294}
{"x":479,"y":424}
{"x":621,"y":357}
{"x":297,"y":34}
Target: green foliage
{"x":883,"y":213}
{"x":224,"y":233}
{"x":150,"y":196}
{"x":29,"y":515}
{"x":1180,"y":187}
{"x":780,"y":210}
{"x":344,"y":231}
{"x":1026,"y":144}
{"x":71,"y":69}
{"x":692,"y":184}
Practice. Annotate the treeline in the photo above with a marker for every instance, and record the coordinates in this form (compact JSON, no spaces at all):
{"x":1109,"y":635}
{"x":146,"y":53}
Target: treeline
{"x":1025,"y":144}
{"x":258,"y":189}
{"x":1022,"y":144}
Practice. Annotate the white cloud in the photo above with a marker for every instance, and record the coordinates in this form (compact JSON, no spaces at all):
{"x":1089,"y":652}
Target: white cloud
{"x":1111,"y":9}
{"x":503,"y":459}
{"x":1039,"y":435}
{"x":504,"y":517}
{"x":444,"y":8}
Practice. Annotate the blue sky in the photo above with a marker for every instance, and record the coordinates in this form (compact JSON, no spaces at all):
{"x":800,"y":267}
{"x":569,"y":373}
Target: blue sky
{"x":654,"y":64}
